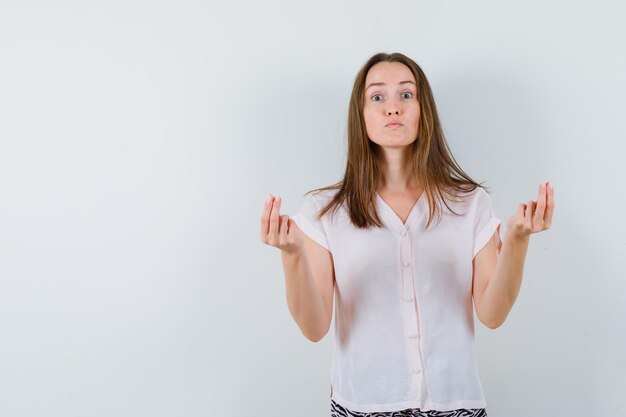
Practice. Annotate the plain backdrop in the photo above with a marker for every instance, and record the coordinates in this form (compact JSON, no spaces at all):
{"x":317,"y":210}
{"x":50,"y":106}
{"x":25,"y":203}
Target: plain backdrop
{"x":139,"y":140}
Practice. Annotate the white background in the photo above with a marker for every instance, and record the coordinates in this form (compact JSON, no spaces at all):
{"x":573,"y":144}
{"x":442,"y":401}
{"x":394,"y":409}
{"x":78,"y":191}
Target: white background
{"x":140,"y":139}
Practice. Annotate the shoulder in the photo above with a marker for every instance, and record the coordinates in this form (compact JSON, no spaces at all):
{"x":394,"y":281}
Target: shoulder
{"x":320,"y":197}
{"x":482,"y":206}
{"x":476,"y":197}
{"x":467,"y":203}
{"x":482,"y":197}
{"x":479,"y":201}
{"x":325,"y":193}
{"x":317,"y":200}
{"x":463,"y":199}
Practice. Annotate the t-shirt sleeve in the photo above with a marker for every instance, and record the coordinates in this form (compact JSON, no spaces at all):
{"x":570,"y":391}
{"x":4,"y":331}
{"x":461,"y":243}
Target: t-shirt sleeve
{"x":485,"y":222}
{"x":307,"y":221}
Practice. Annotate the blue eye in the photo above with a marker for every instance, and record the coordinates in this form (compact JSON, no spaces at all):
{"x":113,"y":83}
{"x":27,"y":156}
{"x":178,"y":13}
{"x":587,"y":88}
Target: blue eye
{"x":408,"y":92}
{"x":375,"y":96}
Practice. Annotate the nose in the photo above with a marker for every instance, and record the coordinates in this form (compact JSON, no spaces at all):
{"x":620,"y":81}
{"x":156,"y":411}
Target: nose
{"x":392,"y":107}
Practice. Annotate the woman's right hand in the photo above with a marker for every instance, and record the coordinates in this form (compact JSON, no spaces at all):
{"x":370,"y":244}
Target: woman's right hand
{"x":279,"y":230}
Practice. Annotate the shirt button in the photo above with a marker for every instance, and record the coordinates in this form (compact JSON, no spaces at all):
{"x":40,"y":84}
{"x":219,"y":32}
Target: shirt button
{"x":403,"y":233}
{"x":416,"y":371}
{"x":406,"y":264}
{"x":408,"y":300}
{"x":413,"y":336}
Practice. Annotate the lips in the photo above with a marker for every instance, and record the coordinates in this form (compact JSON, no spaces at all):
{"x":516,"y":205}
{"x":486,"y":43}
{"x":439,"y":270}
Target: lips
{"x":393,"y":124}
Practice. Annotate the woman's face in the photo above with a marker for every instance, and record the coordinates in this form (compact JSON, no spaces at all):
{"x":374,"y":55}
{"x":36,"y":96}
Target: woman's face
{"x":392,"y":99}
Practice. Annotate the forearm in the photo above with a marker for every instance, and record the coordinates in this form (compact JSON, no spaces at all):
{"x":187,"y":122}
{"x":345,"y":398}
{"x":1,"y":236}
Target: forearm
{"x":304,"y":298}
{"x":504,"y":285}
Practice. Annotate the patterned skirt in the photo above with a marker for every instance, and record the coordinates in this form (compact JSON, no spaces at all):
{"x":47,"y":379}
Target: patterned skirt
{"x":338,"y":411}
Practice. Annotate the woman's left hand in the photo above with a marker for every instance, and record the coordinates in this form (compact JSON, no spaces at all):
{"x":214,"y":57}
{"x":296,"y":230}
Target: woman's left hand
{"x":536,"y":216}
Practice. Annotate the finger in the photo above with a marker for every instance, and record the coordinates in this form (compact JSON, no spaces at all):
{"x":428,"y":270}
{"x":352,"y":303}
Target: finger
{"x":283,"y":228}
{"x":549,"y":206}
{"x":274,"y":217}
{"x":528,"y":215}
{"x":291,"y":225}
{"x":265,"y":217}
{"x":541,"y":203}
{"x":521,"y":210}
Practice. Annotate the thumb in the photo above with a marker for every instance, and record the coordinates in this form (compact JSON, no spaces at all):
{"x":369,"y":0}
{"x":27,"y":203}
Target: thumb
{"x":292,"y":226}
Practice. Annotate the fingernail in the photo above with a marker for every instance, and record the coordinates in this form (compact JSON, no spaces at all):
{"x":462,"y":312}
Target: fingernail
{"x":268,"y":199}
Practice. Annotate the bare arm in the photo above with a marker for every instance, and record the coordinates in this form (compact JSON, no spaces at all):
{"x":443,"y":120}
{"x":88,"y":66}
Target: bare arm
{"x":304,"y":298}
{"x":308,"y":271}
{"x":498,"y":281}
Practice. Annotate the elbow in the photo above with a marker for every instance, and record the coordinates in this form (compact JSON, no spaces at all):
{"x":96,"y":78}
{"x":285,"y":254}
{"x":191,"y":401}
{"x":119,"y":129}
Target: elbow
{"x":492,"y":319}
{"x":314,"y":331}
{"x":492,"y":324}
{"x":315,"y":338}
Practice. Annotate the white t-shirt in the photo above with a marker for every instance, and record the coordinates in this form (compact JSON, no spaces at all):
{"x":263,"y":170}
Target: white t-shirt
{"x":404,"y":323}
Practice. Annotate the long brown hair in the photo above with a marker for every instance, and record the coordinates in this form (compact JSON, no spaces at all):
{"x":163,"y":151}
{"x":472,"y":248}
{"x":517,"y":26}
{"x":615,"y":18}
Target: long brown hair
{"x":431,"y":162}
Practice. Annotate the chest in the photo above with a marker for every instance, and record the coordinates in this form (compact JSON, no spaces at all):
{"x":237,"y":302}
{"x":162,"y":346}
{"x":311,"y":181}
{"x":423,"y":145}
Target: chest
{"x":400,"y":204}
{"x":376,"y":264}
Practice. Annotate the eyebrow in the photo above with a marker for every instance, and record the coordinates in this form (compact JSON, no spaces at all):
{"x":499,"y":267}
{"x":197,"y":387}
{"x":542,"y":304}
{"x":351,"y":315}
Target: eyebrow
{"x":400,"y":83}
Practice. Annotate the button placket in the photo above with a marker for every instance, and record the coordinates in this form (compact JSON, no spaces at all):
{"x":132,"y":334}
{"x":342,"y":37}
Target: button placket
{"x":412,"y":322}
{"x":412,"y":336}
{"x":405,"y":259}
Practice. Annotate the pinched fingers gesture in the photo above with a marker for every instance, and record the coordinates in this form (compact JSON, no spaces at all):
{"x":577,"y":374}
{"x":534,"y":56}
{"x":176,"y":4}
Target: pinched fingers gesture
{"x":278,"y":230}
{"x":536,"y":216}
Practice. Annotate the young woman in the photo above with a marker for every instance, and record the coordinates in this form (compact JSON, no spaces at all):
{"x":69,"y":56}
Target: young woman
{"x":403,"y":281}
